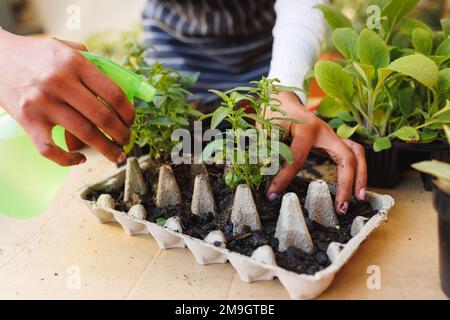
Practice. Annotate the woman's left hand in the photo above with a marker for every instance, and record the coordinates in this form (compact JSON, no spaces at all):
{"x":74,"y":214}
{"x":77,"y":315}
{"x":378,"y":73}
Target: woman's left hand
{"x":313,"y":133}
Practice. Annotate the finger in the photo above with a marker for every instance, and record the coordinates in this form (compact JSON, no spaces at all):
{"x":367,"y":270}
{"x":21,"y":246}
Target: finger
{"x":84,"y":130}
{"x":81,"y":99}
{"x":75,"y":45}
{"x":73,"y":143}
{"x":41,"y":135}
{"x":301,"y":145}
{"x":106,"y":89}
{"x":360,"y":184}
{"x":346,"y":162}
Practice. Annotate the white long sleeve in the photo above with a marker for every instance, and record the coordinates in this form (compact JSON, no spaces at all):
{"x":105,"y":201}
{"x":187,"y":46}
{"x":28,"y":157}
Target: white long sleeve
{"x":298,"y":35}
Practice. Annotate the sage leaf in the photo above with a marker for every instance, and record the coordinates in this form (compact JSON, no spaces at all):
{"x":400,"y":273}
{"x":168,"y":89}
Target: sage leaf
{"x":333,"y":80}
{"x":444,"y":48}
{"x":330,"y":108}
{"x":435,"y":168}
{"x":372,"y":49}
{"x":422,"y":40}
{"x":346,"y":42}
{"x":334,"y":17}
{"x":418,"y":67}
{"x":394,"y":11}
{"x":381,"y":143}
{"x":445,"y":23}
{"x":407,"y":133}
{"x":345,"y":131}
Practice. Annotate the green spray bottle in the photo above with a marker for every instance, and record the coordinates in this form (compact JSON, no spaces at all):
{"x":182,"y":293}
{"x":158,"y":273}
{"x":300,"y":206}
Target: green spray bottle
{"x":28,"y":181}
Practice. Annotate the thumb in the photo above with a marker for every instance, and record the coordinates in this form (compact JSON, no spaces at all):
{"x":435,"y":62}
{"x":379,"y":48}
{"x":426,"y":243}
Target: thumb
{"x":74,"y":45}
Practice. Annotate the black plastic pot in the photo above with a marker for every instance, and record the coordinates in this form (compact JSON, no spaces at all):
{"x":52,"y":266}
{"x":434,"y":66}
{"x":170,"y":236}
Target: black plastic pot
{"x":442,"y":204}
{"x":384,"y":168}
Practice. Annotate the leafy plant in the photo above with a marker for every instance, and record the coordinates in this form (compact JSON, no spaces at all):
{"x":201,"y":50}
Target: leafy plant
{"x":169,"y":110}
{"x":440,"y":170}
{"x":383,"y":89}
{"x":248,"y":161}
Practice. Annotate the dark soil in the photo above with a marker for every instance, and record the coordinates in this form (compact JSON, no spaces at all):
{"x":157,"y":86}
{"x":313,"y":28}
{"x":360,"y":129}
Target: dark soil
{"x":246,"y":242}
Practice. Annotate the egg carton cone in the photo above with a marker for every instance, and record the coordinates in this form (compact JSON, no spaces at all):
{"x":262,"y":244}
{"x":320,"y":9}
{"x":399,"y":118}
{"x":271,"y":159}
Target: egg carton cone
{"x":211,"y":250}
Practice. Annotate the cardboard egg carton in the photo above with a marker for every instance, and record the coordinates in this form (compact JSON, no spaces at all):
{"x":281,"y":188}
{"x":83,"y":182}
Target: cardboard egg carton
{"x":291,"y":229}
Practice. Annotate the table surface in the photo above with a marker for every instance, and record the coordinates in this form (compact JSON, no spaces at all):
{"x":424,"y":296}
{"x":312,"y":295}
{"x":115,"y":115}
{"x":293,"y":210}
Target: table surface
{"x":42,"y":258}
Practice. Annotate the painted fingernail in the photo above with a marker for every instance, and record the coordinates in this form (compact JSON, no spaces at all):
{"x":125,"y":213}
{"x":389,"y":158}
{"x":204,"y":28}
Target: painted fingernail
{"x":343,"y":207}
{"x":272,"y":197}
{"x":122,"y":157}
{"x":362,"y":193}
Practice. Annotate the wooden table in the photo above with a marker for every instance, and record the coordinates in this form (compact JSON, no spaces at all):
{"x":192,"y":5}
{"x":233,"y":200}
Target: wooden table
{"x":44,"y":258}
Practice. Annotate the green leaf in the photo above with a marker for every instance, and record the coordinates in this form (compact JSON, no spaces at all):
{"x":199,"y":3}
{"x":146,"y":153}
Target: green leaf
{"x":443,"y":86}
{"x":444,"y":48}
{"x":282,"y":149}
{"x":334,"y":17}
{"x":422,"y":41}
{"x":164,"y":121}
{"x":222,"y":95}
{"x":381,"y":143}
{"x":445,"y":23}
{"x":408,"y":25}
{"x":330,"y":108}
{"x":346,"y":42}
{"x":407,"y":133}
{"x":345,"y":131}
{"x":447,"y":133}
{"x":418,"y":67}
{"x":443,"y":115}
{"x":182,"y":121}
{"x":405,"y":101}
{"x":333,"y":80}
{"x":372,"y":49}
{"x":428,"y":135}
{"x":435,"y":168}
{"x":335,"y":123}
{"x":218,"y":116}
{"x":161,"y":221}
{"x":394,"y":11}
{"x":214,"y":146}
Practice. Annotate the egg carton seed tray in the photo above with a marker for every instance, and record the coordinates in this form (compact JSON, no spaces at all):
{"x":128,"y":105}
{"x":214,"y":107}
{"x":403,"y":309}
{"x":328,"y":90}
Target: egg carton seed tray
{"x":291,"y":229}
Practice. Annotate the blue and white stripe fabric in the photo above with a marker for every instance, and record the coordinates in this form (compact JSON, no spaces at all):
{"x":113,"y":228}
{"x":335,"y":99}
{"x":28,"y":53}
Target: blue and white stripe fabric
{"x":228,"y":41}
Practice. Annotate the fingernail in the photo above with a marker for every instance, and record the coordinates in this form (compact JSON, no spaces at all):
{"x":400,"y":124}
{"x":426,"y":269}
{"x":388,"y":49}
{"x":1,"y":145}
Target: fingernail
{"x":343,"y":207}
{"x":272,"y":197}
{"x":82,"y":161}
{"x":122,"y":157}
{"x":362,"y":193}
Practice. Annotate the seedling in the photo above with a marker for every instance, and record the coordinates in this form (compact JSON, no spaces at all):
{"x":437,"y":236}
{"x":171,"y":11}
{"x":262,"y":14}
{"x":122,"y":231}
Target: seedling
{"x":438,"y":169}
{"x":248,"y":162}
{"x":169,"y":110}
{"x":381,"y":90}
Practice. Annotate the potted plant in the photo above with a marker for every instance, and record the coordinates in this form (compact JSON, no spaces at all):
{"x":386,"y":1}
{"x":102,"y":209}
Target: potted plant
{"x":441,"y":199}
{"x":390,"y":90}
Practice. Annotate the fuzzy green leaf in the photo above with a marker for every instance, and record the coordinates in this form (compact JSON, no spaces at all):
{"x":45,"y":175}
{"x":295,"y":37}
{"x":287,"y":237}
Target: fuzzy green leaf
{"x":218,"y":116}
{"x":330,"y":107}
{"x":410,"y":24}
{"x":408,"y":134}
{"x":418,"y":67}
{"x":435,"y":168}
{"x":422,"y":40}
{"x":394,"y":11}
{"x":372,"y":49}
{"x":381,"y":143}
{"x":333,"y":80}
{"x":282,"y":149}
{"x":444,"y":48}
{"x":346,"y":42}
{"x":445,"y":23}
{"x":345,"y":131}
{"x":334,"y":17}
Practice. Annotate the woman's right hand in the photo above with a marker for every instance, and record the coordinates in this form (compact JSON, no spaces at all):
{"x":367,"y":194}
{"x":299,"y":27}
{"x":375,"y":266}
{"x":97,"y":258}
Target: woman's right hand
{"x":46,"y":82}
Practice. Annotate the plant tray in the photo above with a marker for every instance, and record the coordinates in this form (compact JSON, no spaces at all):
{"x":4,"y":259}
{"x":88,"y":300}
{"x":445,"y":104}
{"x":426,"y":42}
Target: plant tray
{"x":299,"y":286}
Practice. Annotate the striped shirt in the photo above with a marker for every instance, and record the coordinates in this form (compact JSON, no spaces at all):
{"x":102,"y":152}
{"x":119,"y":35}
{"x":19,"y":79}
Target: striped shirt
{"x":229,"y":42}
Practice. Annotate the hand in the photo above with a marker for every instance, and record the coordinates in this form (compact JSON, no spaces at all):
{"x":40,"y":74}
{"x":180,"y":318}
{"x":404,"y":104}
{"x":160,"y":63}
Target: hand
{"x":315,"y":133}
{"x":46,"y":82}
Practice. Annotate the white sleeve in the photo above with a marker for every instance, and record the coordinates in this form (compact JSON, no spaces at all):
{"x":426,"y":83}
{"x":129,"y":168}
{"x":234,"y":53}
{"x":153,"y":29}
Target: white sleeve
{"x":298,"y":35}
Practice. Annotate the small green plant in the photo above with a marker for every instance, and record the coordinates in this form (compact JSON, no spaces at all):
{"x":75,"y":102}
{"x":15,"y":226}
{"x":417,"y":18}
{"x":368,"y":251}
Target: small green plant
{"x":170,"y":109}
{"x":247,"y":162}
{"x":387,"y":87}
{"x":438,"y":169}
